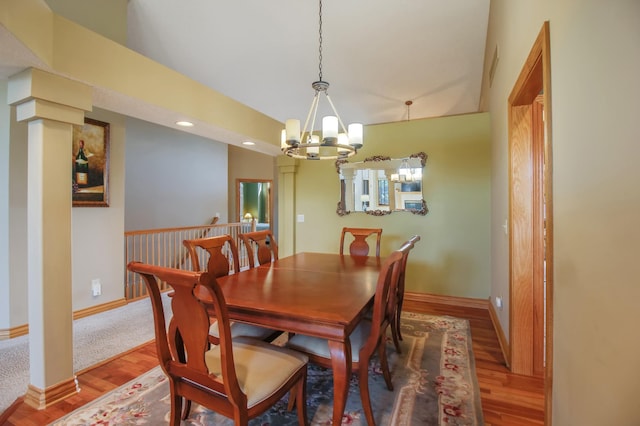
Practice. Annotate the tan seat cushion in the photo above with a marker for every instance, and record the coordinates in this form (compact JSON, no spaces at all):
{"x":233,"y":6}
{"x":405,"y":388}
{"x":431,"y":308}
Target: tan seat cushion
{"x":242,"y":329}
{"x":261,"y":367}
{"x":320,"y":347}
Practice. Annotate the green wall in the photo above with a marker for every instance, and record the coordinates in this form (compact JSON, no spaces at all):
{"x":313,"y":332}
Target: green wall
{"x":255,"y":200}
{"x":453,"y":256}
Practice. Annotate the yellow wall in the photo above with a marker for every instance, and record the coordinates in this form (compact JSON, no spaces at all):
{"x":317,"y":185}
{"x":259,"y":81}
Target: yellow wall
{"x":453,"y":257}
{"x":105,"y":17}
{"x":595,"y":64}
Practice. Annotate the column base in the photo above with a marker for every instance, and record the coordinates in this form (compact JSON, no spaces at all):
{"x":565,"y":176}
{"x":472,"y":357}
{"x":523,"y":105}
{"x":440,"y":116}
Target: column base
{"x":43,"y":398}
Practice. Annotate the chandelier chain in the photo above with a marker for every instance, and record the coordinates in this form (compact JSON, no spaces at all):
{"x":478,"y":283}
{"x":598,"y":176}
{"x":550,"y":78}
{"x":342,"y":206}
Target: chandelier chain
{"x":320,"y":43}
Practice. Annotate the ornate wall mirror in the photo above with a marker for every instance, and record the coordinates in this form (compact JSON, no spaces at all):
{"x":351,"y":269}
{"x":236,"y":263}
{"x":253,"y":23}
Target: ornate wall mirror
{"x":381,"y":185}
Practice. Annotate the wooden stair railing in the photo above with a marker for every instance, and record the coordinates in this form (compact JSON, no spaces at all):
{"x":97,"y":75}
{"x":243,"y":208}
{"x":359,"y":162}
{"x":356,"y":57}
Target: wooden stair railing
{"x":163,"y":247}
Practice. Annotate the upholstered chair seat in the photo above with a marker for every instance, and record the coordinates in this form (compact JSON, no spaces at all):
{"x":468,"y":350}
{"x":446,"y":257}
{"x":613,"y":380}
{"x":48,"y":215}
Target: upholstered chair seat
{"x":240,"y":329}
{"x":238,"y":378}
{"x":320,"y":347}
{"x":261,"y":368}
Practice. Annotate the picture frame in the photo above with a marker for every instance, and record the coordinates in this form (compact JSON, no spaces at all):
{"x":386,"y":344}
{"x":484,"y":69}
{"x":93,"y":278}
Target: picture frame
{"x":90,"y":164}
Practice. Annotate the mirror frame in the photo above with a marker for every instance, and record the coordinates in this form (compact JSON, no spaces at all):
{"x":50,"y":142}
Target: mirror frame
{"x":422,"y":211}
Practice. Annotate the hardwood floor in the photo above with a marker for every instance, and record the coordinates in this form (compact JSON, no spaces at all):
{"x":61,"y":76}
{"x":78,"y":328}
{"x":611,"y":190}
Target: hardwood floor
{"x":507,"y":399}
{"x":93,"y":383}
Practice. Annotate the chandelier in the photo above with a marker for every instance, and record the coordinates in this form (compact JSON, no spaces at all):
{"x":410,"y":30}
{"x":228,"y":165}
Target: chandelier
{"x":337,"y":140}
{"x":407,"y":173}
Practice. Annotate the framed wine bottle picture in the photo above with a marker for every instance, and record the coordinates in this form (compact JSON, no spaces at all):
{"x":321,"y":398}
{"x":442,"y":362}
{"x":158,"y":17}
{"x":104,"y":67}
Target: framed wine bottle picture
{"x":90,"y":164}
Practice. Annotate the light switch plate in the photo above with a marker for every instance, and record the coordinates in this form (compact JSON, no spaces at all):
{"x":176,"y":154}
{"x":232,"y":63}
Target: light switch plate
{"x":96,"y":287}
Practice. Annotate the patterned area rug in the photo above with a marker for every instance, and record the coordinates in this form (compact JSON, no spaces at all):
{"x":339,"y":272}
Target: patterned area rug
{"x":434,"y":384}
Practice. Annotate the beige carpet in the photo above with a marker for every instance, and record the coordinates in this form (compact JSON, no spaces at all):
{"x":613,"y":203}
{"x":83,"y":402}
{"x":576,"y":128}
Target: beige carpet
{"x":95,"y":339}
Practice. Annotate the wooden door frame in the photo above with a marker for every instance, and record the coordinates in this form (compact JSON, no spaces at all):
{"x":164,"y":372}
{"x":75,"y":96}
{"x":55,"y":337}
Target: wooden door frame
{"x":531,"y":219}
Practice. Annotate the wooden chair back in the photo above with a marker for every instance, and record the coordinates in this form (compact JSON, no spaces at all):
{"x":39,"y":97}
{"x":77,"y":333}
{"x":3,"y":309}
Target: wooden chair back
{"x":261,"y":246}
{"x":221,"y":254}
{"x":182,"y":349}
{"x":384,"y":303}
{"x":359,"y":245}
{"x":406,"y":247}
{"x":368,"y":337}
{"x":409,"y":244}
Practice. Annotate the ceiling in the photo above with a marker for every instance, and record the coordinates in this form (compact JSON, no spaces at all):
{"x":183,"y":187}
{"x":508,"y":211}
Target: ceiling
{"x":376,"y":54}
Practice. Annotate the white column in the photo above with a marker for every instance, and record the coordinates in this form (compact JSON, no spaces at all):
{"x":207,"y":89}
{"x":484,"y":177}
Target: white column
{"x":286,"y":205}
{"x":51,"y":105}
{"x":392,"y":189}
{"x":349,"y":191}
{"x":49,"y":255}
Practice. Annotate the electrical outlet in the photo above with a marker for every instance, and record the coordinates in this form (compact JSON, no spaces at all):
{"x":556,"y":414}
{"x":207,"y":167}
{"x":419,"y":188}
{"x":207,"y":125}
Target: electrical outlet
{"x":499,"y":302}
{"x":96,"y":287}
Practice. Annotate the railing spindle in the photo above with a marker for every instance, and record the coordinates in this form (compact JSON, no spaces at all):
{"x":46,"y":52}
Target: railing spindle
{"x":164,"y":247}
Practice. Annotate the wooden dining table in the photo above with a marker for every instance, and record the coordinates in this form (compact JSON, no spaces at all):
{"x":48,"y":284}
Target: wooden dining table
{"x":317,"y":294}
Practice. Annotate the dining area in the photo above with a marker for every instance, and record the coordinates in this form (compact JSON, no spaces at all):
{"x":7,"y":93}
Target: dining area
{"x":241,"y":339}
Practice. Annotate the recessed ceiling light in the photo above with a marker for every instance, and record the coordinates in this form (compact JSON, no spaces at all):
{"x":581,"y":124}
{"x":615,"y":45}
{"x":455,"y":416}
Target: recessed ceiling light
{"x":248,"y":143}
{"x":184,"y":123}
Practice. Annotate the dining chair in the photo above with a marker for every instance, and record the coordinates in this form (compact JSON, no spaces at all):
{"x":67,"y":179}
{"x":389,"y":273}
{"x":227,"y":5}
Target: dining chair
{"x":221,"y":256}
{"x":395,"y":320}
{"x":240,"y":378}
{"x":368,"y":336}
{"x":359,"y":245}
{"x":260,"y":246}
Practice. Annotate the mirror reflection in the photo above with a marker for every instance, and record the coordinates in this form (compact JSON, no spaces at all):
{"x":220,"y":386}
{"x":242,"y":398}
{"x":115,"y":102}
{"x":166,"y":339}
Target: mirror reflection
{"x":381,"y":185}
{"x":253,"y":202}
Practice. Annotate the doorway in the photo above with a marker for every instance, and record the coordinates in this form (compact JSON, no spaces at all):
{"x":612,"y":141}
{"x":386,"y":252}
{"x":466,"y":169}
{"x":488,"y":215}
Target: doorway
{"x":254,"y":202}
{"x":531,"y":219}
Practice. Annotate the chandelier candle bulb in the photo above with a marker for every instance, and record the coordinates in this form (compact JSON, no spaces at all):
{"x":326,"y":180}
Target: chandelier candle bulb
{"x":330,"y":129}
{"x":343,"y":144}
{"x":315,"y":149}
{"x":343,"y":139}
{"x":355,"y":135}
{"x":283,"y":139}
{"x":292,"y":127}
